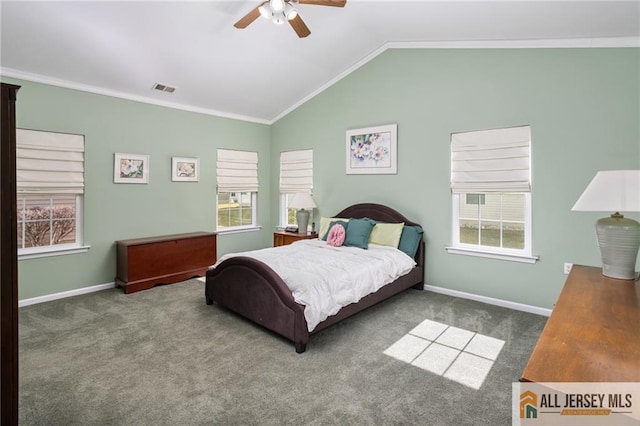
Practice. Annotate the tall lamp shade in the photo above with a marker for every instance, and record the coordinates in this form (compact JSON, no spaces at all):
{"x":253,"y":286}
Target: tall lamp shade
{"x":618,"y":237}
{"x":303,"y":202}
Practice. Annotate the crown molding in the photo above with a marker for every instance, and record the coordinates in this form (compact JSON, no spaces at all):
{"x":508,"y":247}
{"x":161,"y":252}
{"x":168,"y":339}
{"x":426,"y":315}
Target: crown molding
{"x":36,"y":78}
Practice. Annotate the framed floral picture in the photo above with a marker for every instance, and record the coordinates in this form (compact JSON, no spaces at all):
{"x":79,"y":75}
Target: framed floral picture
{"x":131,"y":168}
{"x":185,"y":169}
{"x":372,"y":150}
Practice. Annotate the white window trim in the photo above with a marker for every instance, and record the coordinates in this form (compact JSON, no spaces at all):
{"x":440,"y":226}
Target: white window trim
{"x":476,"y":252}
{"x":283,"y":211}
{"x":239,"y":229}
{"x":243,"y":228}
{"x":524,"y":255}
{"x":57,"y":250}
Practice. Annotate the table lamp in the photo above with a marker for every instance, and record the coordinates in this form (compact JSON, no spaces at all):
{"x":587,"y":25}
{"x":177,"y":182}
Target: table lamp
{"x":618,"y":237}
{"x":302,"y":201}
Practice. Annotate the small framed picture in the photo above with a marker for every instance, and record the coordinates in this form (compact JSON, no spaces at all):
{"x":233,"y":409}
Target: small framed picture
{"x":131,"y":168}
{"x":185,"y":169}
{"x":372,"y":150}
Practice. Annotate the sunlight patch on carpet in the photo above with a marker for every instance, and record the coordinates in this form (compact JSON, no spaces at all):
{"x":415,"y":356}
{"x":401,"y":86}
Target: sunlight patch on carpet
{"x":460,"y":355}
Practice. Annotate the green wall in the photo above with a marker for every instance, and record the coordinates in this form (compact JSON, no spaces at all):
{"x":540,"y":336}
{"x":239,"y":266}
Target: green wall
{"x":120,"y":211}
{"x":583,"y":108}
{"x":582,"y":105}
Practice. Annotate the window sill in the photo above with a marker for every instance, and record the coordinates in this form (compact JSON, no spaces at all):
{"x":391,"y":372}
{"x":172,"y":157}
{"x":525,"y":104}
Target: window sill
{"x":57,"y":251}
{"x":492,"y":255}
{"x":238,"y":230}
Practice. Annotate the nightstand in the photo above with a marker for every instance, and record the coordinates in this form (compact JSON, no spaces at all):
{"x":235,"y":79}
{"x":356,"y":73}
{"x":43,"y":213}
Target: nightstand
{"x":285,"y":238}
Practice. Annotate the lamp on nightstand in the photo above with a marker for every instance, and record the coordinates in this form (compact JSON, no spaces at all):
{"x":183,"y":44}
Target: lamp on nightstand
{"x":618,"y":237}
{"x":303,"y":202}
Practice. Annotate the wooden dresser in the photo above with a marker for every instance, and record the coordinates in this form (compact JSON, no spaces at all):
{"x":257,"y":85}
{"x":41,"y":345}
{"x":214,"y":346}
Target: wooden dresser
{"x":593,"y":333}
{"x":286,"y":238}
{"x":145,"y":262}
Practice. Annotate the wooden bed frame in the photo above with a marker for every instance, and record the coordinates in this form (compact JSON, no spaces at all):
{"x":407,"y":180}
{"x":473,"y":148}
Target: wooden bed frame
{"x":252,"y":289}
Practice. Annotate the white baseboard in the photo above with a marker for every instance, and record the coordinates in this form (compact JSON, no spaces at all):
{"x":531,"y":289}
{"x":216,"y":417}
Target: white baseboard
{"x":490,"y":300}
{"x":64,"y":294}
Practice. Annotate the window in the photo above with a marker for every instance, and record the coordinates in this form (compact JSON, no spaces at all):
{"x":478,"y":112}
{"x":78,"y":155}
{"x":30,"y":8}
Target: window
{"x":498,"y":222}
{"x":237,"y":177}
{"x":287,"y":215}
{"x":491,"y":192}
{"x":50,"y":188}
{"x":236,"y":209}
{"x":296,"y":175}
{"x":45,"y":220}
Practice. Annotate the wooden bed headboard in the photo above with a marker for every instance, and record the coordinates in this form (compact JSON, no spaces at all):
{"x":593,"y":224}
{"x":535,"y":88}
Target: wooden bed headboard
{"x":377,"y":212}
{"x":382,"y":213}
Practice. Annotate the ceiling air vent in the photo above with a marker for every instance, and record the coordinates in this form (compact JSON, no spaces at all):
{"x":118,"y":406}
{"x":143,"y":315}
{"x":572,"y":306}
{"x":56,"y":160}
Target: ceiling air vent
{"x":164,"y":88}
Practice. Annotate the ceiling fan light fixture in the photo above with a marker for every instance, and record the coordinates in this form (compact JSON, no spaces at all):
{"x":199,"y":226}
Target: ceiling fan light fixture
{"x":279,"y":18}
{"x":277,"y":5}
{"x":290,"y":12}
{"x":265,"y":10}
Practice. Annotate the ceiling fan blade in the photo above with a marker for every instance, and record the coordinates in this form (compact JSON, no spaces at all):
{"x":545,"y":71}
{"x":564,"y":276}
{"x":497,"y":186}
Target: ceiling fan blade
{"x":335,"y":3}
{"x":299,"y":27}
{"x":248,"y":18}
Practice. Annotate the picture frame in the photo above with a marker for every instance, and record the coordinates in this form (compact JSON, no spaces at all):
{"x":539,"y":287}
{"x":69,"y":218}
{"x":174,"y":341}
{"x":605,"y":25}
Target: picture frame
{"x":130,"y":168}
{"x":185,"y":169}
{"x":372,"y":150}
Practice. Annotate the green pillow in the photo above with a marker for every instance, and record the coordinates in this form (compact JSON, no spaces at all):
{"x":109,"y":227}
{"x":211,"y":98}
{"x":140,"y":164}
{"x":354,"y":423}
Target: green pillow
{"x":410,"y":240}
{"x":358,"y":231}
{"x":386,"y":234}
{"x":344,"y":224}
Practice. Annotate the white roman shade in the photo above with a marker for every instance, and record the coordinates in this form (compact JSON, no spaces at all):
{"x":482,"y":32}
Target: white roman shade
{"x":495,"y":160}
{"x":296,"y":171}
{"x":49,"y":163}
{"x":237,"y":171}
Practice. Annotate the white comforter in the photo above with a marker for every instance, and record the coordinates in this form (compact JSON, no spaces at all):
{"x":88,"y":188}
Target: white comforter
{"x":325,"y":278}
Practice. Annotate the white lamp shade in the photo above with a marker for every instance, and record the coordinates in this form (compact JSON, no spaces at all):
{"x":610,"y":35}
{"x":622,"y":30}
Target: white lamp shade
{"x":301,"y":200}
{"x":611,"y":191}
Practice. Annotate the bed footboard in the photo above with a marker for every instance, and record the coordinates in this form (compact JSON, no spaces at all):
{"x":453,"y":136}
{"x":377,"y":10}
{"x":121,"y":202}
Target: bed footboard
{"x":250,"y":288}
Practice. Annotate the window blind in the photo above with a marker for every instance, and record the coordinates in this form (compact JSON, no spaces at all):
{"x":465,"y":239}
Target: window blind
{"x":495,"y":160}
{"x":237,"y":171}
{"x":296,"y":171}
{"x":49,"y":163}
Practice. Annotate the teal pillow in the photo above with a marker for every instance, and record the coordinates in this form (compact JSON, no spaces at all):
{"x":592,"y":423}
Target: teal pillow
{"x":410,"y":240}
{"x":339,"y":222}
{"x":358,"y":231}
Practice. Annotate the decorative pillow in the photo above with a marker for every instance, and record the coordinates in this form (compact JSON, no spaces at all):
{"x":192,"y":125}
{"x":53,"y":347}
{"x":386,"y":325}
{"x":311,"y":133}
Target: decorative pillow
{"x":410,"y":240}
{"x":386,"y":234}
{"x":358,"y":231}
{"x":325,"y":223}
{"x":340,"y":222}
{"x":336,"y":235}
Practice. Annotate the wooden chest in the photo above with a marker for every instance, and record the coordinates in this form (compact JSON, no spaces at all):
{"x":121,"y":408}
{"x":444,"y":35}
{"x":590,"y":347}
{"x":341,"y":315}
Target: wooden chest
{"x":145,"y":262}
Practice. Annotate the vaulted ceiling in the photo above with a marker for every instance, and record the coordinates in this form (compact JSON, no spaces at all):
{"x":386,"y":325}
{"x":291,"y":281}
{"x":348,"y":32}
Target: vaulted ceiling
{"x":262,"y":72}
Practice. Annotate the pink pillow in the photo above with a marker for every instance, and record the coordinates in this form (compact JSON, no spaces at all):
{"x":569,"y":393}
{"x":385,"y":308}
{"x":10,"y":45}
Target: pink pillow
{"x":336,"y":235}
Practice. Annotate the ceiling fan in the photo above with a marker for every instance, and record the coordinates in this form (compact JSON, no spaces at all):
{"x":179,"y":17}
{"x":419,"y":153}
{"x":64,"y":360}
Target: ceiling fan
{"x":281,"y":11}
